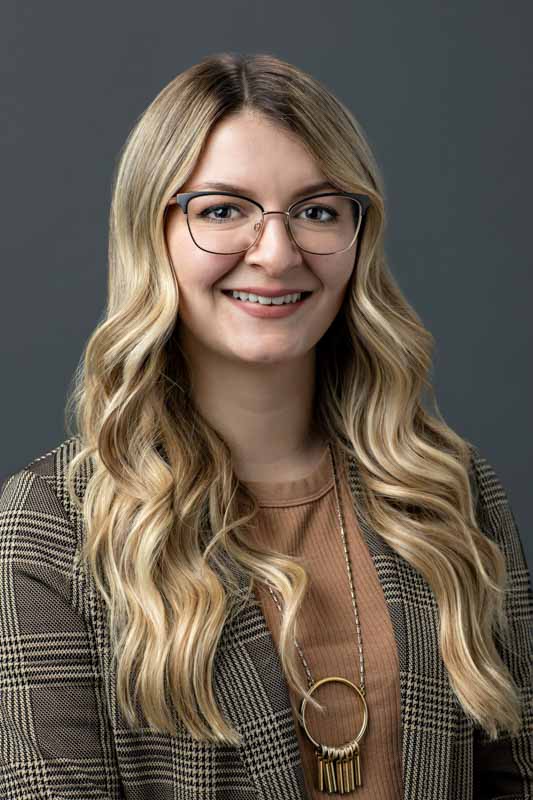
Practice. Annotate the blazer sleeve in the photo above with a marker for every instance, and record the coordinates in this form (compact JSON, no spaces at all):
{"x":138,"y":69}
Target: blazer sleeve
{"x":503,"y":770}
{"x":56,"y":741}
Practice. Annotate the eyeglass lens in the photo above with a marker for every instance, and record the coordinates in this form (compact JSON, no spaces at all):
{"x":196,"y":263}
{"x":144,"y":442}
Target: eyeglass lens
{"x":227,"y":224}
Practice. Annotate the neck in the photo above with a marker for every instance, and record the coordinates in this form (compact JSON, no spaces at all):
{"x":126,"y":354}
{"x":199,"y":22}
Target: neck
{"x":264,"y":413}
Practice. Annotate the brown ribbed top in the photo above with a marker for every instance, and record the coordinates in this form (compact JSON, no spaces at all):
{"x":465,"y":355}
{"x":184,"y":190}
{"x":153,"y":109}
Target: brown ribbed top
{"x":299,"y":517}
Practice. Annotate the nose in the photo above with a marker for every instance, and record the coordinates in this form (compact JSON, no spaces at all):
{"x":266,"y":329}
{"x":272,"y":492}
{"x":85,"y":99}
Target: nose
{"x":274,"y":249}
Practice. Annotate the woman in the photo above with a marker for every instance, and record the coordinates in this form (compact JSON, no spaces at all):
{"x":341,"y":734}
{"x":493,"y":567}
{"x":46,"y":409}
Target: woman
{"x":259,"y":568}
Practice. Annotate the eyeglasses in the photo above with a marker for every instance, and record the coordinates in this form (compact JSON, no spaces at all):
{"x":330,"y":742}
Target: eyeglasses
{"x":226,"y":223}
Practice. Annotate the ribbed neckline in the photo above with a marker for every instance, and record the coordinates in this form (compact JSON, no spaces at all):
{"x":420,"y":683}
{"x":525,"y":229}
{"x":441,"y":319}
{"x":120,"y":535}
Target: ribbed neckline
{"x":278,"y":494}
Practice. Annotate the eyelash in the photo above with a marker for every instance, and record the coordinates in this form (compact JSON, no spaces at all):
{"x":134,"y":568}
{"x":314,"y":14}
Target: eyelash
{"x":206,"y":211}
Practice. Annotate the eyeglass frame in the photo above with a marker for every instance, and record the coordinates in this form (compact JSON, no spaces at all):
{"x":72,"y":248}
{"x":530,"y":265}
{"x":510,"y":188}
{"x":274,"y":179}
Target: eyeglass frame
{"x":181,"y":199}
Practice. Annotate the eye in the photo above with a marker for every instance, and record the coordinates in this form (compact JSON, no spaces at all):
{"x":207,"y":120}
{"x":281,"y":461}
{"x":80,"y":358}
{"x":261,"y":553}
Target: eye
{"x":318,"y":214}
{"x":219,"y":217}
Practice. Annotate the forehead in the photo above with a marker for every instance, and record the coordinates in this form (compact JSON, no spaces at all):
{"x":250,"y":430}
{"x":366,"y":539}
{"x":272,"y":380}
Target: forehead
{"x":249,"y":150}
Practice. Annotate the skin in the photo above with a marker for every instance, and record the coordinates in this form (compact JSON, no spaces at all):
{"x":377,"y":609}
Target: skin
{"x":253,"y":379}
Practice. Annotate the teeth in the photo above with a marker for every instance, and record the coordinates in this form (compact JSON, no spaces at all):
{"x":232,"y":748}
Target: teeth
{"x":267,"y":301}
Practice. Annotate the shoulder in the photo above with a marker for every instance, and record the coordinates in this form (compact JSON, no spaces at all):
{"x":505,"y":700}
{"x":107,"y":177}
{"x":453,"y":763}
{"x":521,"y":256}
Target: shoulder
{"x":48,"y":469}
{"x":491,"y":499}
{"x":52,"y":466}
{"x":497,"y":521}
{"x":37,"y":517}
{"x":487,"y":486}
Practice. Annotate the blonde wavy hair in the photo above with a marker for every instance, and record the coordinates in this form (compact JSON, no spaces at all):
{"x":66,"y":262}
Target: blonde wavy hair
{"x":167,"y":518}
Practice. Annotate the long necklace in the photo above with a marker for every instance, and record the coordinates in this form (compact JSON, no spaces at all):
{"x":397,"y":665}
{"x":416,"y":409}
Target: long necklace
{"x":338,"y":767}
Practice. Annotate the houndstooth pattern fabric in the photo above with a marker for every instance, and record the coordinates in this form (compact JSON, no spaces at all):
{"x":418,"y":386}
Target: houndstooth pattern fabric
{"x":62,"y":736}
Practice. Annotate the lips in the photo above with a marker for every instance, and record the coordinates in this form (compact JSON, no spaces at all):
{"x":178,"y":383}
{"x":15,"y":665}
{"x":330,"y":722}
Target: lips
{"x":271,"y":293}
{"x":267,"y":310}
{"x":266,"y":292}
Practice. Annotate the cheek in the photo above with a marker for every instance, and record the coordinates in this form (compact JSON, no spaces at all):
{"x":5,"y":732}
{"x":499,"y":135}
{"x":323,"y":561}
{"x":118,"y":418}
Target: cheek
{"x":199,"y":271}
{"x":195,"y":269}
{"x":335,"y":275}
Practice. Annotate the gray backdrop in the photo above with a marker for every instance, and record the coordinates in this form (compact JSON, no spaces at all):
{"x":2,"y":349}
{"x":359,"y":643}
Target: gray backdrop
{"x":443,"y":92}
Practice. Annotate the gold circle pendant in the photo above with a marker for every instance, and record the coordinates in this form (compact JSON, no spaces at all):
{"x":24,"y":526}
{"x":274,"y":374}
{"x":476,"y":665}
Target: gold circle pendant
{"x":338,"y":766}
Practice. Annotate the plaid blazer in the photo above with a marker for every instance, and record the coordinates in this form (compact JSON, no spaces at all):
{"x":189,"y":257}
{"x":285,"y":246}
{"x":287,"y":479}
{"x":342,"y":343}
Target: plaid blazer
{"x":62,"y":734}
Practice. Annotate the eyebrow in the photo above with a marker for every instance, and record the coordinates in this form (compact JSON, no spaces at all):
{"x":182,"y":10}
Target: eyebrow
{"x":229,"y":187}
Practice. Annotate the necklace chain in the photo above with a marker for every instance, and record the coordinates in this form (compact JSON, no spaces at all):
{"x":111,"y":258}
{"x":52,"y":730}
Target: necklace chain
{"x":352,"y":589}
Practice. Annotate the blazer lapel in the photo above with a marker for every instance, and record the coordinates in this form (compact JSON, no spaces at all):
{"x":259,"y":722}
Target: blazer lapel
{"x":253,"y":692}
{"x":433,"y":724}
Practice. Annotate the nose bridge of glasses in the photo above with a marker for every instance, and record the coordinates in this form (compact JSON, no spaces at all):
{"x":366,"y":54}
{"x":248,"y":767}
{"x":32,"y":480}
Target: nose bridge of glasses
{"x":259,"y":226}
{"x":285,"y":213}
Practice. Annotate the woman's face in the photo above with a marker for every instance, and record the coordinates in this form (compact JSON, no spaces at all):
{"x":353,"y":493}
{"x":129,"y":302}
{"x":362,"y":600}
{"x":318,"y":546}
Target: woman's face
{"x":273,"y":168}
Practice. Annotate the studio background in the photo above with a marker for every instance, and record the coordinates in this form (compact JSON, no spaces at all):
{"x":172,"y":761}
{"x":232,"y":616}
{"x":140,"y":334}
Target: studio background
{"x":443,"y":92}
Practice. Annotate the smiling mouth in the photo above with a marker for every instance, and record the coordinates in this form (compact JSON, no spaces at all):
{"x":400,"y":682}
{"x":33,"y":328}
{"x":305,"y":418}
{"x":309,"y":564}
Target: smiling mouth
{"x":303,"y":296}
